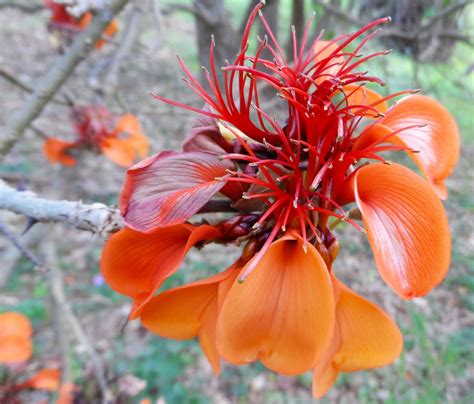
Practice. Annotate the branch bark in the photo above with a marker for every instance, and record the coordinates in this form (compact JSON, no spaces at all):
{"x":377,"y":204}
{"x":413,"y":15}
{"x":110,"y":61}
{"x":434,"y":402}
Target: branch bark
{"x":49,"y":84}
{"x":97,"y":218}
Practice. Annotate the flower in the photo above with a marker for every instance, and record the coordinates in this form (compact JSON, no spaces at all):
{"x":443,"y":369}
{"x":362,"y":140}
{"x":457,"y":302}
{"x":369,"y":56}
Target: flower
{"x":65,"y":26}
{"x":120,"y":139}
{"x":16,"y":348}
{"x":15,"y":338}
{"x":287,"y":183}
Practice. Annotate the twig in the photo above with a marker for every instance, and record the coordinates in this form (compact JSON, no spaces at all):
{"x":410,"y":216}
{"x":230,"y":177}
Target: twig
{"x":49,"y":84}
{"x":56,"y":284}
{"x":11,"y":256}
{"x":26,"y":8}
{"x":97,"y":218}
{"x":66,"y":315}
{"x":25,"y":87}
{"x":19,"y":245}
{"x":129,"y":38}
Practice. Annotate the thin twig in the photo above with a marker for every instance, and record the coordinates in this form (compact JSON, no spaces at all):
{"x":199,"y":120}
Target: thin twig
{"x":66,"y":315}
{"x":25,"y":87}
{"x":50,"y":83}
{"x":56,"y":284}
{"x":19,"y":245}
{"x":128,"y":39}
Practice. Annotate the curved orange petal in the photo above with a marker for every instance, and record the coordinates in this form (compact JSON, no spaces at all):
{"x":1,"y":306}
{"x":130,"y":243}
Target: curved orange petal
{"x":369,"y":337}
{"x":14,"y":349}
{"x":136,"y":264}
{"x":118,"y":151}
{"x":55,"y":151}
{"x":129,"y":124}
{"x":365,"y":337}
{"x":283,"y":314}
{"x":13,"y":323}
{"x":361,"y":95}
{"x":437,"y":143}
{"x":44,"y":379}
{"x":325,"y":372}
{"x":323,"y":50}
{"x":189,"y":311}
{"x":406,"y":225}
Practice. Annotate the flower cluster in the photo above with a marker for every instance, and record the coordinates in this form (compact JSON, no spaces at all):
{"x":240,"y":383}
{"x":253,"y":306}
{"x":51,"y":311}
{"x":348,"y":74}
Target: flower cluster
{"x":119,"y":138}
{"x":286,"y":184}
{"x":64,"y":26}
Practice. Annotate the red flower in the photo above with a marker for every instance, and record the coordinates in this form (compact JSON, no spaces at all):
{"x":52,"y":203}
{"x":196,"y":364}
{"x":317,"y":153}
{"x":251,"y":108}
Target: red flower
{"x":97,"y":128}
{"x":288,"y":183}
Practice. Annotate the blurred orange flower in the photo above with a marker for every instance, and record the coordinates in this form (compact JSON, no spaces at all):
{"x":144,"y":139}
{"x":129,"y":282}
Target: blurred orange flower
{"x":120,"y":139}
{"x":15,"y":338}
{"x":67,"y":25}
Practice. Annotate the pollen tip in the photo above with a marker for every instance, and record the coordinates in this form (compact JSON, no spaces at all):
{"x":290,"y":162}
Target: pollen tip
{"x":416,"y":91}
{"x":263,"y":2}
{"x":363,"y":231}
{"x":283,"y":228}
{"x":256,"y":226}
{"x":241,"y":280}
{"x":388,"y":19}
{"x":305,"y":248}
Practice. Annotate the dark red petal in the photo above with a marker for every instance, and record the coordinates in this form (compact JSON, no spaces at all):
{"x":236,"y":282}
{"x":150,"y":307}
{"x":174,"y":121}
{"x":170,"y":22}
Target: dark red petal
{"x":169,"y":188}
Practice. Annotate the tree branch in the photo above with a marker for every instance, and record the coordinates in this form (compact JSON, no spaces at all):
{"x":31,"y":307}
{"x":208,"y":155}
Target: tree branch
{"x":25,"y":87}
{"x":97,"y":218}
{"x":49,"y":84}
{"x":24,"y":7}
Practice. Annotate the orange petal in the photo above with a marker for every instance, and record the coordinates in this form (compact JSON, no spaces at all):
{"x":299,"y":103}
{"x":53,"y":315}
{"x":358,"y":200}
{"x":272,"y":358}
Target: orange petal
{"x":365,"y":337}
{"x":129,"y":124}
{"x":407,"y":227}
{"x":369,"y":337}
{"x":283,"y":314}
{"x":14,"y":349}
{"x":13,"y":323}
{"x":55,"y":151}
{"x":136,"y":264}
{"x":323,"y":50}
{"x":45,"y":379}
{"x":438,"y":142}
{"x":207,"y":336}
{"x":360,"y":95}
{"x":119,"y":151}
{"x":189,"y":311}
{"x":325,"y":372}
